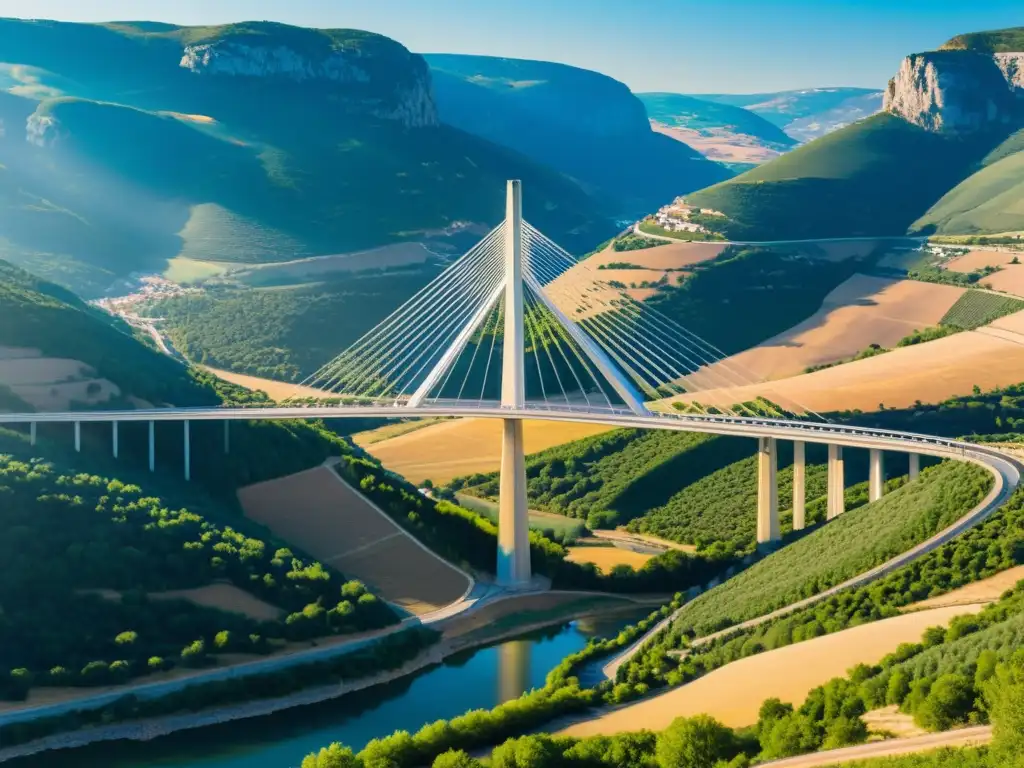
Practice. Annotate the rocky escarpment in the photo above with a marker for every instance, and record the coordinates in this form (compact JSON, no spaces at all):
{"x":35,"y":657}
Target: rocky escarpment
{"x":959,"y":91}
{"x":394,"y":85}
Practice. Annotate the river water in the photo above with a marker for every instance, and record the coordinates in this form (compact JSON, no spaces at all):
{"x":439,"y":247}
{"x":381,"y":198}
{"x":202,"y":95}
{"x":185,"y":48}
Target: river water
{"x":475,"y":679}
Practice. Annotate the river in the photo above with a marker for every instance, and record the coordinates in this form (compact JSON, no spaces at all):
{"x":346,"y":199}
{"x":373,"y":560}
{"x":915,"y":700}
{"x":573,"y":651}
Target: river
{"x":474,"y":679}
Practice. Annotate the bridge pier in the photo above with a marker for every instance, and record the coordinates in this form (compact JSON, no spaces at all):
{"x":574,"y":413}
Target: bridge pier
{"x":78,"y":437}
{"x":113,"y":438}
{"x":32,"y":433}
{"x":513,"y":568}
{"x":876,"y":475}
{"x":836,"y":482}
{"x":188,"y":452}
{"x":152,"y":446}
{"x":915,"y":465}
{"x":799,"y":486}
{"x":767,"y":492}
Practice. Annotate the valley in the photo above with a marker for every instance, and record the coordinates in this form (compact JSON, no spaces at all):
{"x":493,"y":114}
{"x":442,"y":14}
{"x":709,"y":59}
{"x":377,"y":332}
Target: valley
{"x":739,"y":484}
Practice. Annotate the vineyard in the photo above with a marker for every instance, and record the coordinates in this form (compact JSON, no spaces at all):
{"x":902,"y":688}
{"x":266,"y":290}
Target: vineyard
{"x":846,"y":546}
{"x":977,"y":308}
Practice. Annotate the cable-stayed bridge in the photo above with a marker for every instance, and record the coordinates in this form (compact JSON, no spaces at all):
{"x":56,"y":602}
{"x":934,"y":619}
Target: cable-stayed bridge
{"x":518,"y":328}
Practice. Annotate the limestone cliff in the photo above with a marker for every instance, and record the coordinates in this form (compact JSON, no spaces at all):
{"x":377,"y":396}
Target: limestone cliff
{"x":394,"y":85}
{"x":959,"y":91}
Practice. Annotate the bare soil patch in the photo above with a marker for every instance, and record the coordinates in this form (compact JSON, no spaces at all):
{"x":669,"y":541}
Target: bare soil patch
{"x":395,"y":255}
{"x":224,"y":597}
{"x":606,"y":557}
{"x":860,"y":312}
{"x":985,"y":591}
{"x":453,"y":448}
{"x":1010,"y":279}
{"x":276,"y":390}
{"x":891,"y":720}
{"x":724,"y":147}
{"x":320,"y":514}
{"x":734,"y":693}
{"x":975,"y":260}
{"x":930,"y":372}
{"x":50,"y":383}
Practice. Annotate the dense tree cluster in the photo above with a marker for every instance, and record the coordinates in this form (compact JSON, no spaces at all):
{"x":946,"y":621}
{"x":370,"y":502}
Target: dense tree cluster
{"x":92,"y":552}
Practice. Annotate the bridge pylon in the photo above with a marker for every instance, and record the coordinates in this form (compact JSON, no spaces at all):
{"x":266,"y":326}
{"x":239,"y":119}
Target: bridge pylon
{"x":513,"y":515}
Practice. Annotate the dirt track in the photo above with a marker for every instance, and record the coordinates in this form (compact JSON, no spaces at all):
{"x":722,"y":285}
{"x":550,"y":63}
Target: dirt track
{"x":317,"y":512}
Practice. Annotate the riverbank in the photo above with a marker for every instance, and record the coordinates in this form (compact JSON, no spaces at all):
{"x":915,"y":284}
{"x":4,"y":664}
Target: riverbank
{"x":455,"y":641}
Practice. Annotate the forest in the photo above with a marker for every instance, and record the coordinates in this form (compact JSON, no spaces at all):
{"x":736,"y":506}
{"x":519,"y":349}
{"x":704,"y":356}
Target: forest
{"x":96,"y":552}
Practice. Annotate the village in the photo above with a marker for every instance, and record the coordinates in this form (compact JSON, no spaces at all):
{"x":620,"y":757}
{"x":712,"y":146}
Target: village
{"x":678,"y":216}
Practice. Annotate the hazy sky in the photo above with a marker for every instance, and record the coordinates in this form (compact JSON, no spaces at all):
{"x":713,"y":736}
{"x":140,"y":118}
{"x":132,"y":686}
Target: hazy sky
{"x":667,"y":45}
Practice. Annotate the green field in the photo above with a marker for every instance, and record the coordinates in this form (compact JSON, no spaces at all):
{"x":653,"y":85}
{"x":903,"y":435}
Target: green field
{"x":875,"y":177}
{"x":977,"y":308}
{"x":561,"y":528}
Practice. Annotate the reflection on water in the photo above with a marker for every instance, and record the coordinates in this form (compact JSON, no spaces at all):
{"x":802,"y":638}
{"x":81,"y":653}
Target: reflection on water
{"x":478,"y":679}
{"x":513,"y":669}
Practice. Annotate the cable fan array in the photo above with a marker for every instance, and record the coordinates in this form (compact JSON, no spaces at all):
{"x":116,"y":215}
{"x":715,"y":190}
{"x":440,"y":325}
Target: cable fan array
{"x":587,"y":344}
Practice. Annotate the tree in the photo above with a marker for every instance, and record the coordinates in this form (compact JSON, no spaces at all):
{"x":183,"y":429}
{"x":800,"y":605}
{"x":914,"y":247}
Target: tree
{"x":334,"y":756}
{"x":948,"y":703}
{"x":695,"y":742}
{"x":844,"y":731}
{"x":455,"y":758}
{"x":534,"y":751}
{"x":1004,"y":695}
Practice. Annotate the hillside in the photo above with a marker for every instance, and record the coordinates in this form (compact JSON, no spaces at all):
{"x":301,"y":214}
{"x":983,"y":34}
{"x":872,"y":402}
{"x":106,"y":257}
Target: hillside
{"x":720,"y":132}
{"x":805,"y":114}
{"x":110,"y":559}
{"x":989,"y":201}
{"x":875,"y":177}
{"x":582,"y":123}
{"x":351,"y":155}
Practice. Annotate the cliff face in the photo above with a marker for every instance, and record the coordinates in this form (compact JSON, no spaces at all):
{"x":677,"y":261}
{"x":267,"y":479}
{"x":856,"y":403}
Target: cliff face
{"x":401,"y":92}
{"x":958,"y":91}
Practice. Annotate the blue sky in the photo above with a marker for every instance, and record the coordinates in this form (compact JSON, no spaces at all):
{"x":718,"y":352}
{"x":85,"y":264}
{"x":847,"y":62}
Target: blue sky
{"x":739,"y":46}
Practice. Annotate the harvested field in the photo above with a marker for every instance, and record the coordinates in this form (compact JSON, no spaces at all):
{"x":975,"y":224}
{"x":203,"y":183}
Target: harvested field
{"x":891,"y":720}
{"x":929,"y":372}
{"x":50,"y":383}
{"x":986,"y":591}
{"x":392,"y":429}
{"x":975,"y":260}
{"x":276,"y":390}
{"x":395,"y":255}
{"x":453,"y":448}
{"x":1010,"y":279}
{"x":606,"y":557}
{"x":224,"y":597}
{"x":319,"y":513}
{"x":860,"y":312}
{"x":728,"y":148}
{"x":734,"y":693}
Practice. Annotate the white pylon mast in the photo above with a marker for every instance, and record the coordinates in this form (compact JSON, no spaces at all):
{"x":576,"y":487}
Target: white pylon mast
{"x":513,"y":361}
{"x":513,"y":521}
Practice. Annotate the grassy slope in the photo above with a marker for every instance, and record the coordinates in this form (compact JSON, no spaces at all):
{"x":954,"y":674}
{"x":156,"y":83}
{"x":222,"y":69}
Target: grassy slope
{"x":994,"y":41}
{"x":846,"y":546}
{"x":989,"y":201}
{"x":701,"y":115}
{"x":875,"y":177}
{"x":315,"y":167}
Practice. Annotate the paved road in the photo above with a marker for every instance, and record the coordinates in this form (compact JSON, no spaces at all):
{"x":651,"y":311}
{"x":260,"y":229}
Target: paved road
{"x":966,"y":737}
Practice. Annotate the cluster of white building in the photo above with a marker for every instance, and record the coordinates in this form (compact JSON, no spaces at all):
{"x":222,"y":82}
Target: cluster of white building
{"x":675,"y":217}
{"x":149,"y":287}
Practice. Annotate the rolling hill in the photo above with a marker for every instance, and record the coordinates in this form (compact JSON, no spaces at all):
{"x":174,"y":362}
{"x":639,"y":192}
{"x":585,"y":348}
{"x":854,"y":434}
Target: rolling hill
{"x":722,"y":132}
{"x":874,"y":177}
{"x":805,"y":114}
{"x":582,"y":123}
{"x":321,"y":141}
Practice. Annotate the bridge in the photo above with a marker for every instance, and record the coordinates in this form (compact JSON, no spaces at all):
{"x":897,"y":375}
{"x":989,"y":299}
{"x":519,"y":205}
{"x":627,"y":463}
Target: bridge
{"x":596,"y":355}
